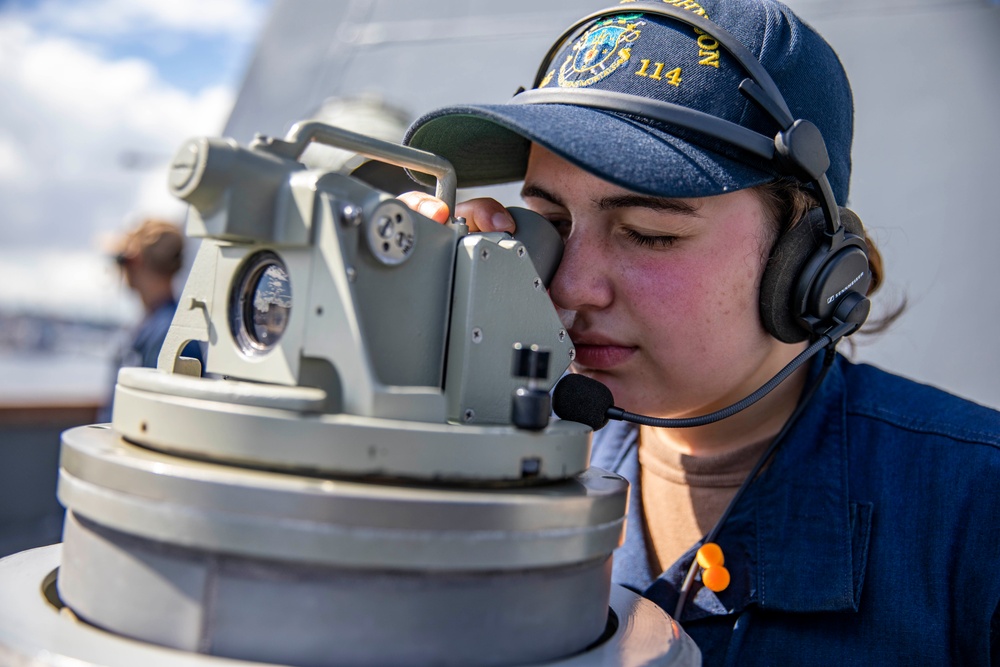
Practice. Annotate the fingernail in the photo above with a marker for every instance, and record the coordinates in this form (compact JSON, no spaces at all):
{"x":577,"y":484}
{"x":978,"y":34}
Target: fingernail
{"x":429,"y":207}
{"x":502,"y":222}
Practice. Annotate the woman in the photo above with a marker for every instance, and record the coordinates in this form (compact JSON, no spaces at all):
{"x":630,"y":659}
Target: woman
{"x":872,"y":531}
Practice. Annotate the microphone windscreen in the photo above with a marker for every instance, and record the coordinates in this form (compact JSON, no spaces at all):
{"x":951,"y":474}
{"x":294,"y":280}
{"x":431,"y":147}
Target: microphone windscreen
{"x":581,"y":399}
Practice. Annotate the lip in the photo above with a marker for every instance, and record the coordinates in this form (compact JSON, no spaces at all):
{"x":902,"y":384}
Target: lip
{"x":600,"y":353}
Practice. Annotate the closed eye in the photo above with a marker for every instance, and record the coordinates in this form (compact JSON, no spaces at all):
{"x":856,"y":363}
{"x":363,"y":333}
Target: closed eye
{"x":647,"y":241}
{"x":564,"y":227}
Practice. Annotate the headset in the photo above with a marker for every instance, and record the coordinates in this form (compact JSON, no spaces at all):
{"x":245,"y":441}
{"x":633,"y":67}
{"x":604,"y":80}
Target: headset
{"x":817,"y":276}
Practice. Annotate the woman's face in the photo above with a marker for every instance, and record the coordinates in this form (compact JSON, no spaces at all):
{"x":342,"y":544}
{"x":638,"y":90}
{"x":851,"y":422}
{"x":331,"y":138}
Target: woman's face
{"x":659,"y":295}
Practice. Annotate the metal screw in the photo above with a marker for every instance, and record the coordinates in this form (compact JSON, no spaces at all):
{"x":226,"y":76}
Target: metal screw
{"x":537,"y":282}
{"x":352,"y":274}
{"x":520,"y":251}
{"x":469,"y":415}
{"x":485,"y":254}
{"x":385,"y":227}
{"x":562,"y":335}
{"x":572,"y":354}
{"x":477,"y":335}
{"x":350,"y":215}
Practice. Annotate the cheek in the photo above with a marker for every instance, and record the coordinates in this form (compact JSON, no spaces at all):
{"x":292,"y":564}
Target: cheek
{"x":736,"y":292}
{"x":667,"y":303}
{"x":696,"y":296}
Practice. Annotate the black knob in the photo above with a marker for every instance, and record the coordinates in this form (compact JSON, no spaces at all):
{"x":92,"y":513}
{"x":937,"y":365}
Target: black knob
{"x":530,"y":406}
{"x":530,"y":409}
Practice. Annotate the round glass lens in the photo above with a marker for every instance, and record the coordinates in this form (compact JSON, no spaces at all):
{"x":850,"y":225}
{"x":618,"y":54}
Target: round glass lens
{"x":270,"y":305}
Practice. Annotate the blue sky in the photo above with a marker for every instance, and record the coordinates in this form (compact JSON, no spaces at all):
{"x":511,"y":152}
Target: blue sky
{"x":185,"y":54}
{"x":87,"y":87}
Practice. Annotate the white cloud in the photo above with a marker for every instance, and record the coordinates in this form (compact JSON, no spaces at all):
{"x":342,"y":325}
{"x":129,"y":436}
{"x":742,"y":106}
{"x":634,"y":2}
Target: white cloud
{"x":70,"y":115}
{"x":111,"y":17}
{"x":74,"y":115}
{"x":65,"y":78}
{"x":11,"y":162}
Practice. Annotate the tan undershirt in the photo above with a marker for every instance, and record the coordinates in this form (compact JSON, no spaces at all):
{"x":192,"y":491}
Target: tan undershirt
{"x":683,"y":496}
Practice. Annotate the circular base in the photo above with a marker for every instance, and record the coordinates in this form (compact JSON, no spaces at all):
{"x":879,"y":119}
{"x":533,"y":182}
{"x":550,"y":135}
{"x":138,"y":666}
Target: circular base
{"x":34,"y":632}
{"x":311,"y":615}
{"x":256,"y":425}
{"x":352,"y":524}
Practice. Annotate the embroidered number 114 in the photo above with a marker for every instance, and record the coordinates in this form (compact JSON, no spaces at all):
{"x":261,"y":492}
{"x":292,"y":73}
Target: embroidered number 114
{"x":673,"y":77}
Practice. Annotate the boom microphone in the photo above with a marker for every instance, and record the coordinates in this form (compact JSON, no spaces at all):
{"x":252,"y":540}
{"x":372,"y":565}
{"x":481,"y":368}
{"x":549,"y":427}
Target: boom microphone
{"x":585,"y":400}
{"x":578,"y":398}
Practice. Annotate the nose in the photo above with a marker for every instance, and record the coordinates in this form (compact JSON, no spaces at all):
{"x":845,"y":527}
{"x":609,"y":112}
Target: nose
{"x":582,"y":281}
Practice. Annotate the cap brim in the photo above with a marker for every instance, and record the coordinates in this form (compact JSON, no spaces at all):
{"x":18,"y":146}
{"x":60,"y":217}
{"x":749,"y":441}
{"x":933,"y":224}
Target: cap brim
{"x":488,"y":144}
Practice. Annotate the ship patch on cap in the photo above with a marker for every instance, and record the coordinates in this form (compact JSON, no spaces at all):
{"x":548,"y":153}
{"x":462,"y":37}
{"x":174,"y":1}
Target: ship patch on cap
{"x":599,"y":52}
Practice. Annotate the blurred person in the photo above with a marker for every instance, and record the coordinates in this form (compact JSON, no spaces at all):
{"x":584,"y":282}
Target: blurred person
{"x":149,"y":256}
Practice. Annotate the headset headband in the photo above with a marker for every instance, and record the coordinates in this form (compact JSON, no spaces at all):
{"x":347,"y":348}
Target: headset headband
{"x":798,"y":148}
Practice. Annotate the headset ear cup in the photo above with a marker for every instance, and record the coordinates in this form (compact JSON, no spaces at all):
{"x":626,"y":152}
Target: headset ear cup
{"x":778,"y":313}
{"x":777,"y":285}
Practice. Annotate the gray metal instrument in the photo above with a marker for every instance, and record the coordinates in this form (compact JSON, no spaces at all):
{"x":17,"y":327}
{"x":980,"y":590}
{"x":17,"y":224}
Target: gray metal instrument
{"x":363,"y":473}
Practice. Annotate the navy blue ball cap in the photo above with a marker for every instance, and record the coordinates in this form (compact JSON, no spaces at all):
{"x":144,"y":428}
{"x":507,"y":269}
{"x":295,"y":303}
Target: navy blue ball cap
{"x":664,"y":60}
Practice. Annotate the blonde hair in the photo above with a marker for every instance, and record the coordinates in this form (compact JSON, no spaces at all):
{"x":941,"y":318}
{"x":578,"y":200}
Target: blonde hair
{"x":159,"y":243}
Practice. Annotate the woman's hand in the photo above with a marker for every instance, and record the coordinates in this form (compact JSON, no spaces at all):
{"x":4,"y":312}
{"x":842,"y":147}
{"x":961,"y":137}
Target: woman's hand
{"x":481,"y":215}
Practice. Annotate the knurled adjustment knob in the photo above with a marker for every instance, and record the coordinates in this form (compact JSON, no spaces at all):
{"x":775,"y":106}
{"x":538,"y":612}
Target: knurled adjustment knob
{"x":530,"y":405}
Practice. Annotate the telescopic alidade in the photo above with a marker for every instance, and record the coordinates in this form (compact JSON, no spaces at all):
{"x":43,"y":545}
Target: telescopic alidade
{"x":363,"y":473}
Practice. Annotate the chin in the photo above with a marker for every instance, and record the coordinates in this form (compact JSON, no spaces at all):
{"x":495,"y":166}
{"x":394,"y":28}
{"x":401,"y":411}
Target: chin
{"x":627,"y":395}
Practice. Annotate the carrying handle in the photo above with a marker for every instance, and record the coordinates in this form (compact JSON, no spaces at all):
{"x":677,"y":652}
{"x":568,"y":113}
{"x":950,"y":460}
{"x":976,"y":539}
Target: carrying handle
{"x":302,"y":134}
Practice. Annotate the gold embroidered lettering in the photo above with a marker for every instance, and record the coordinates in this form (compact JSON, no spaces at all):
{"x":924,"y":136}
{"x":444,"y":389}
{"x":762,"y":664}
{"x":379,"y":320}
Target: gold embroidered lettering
{"x":690,"y":5}
{"x":708,"y":49}
{"x":673,"y":77}
{"x":708,"y":43}
{"x":710,"y":58}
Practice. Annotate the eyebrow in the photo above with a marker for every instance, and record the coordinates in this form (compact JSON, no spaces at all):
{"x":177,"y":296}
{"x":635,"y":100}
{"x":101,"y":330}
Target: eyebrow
{"x":646,"y":201}
{"x":539,"y":193}
{"x":619,"y":201}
